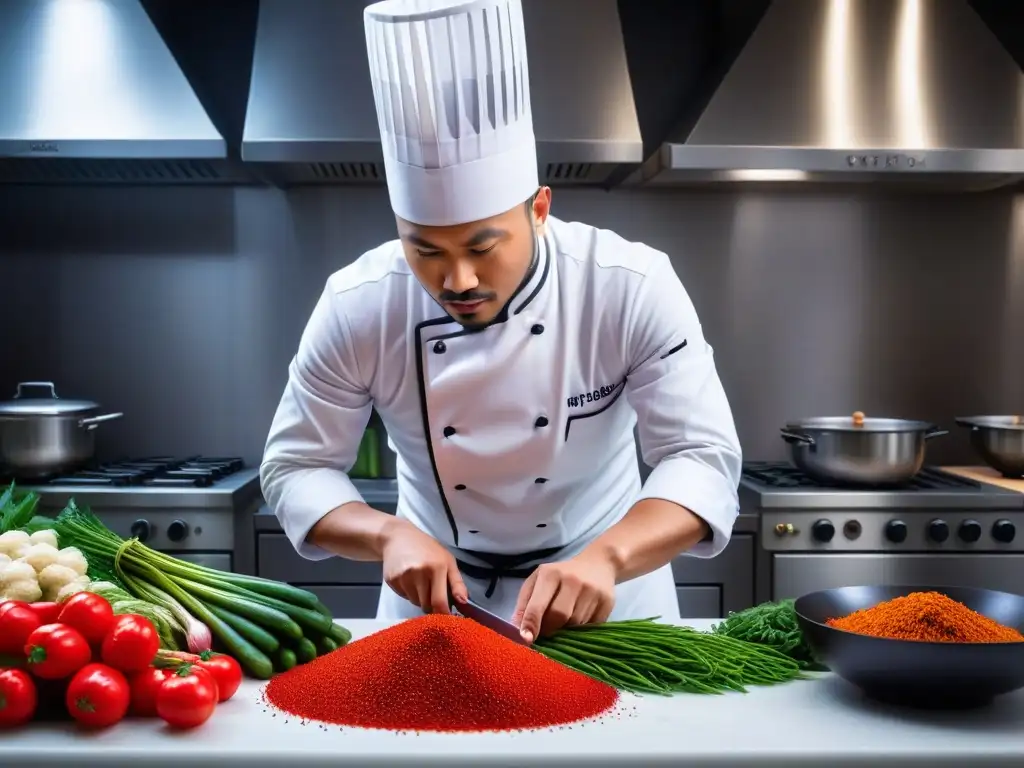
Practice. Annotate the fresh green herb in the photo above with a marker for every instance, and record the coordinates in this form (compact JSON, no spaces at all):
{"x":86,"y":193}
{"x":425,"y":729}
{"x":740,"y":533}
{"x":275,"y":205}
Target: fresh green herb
{"x":774,"y":625}
{"x":643,"y":656}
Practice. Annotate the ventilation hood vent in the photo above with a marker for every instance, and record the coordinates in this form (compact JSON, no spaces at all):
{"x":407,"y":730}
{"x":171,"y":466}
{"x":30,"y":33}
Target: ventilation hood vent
{"x":311,"y":117}
{"x":89,"y":93}
{"x":905,"y":92}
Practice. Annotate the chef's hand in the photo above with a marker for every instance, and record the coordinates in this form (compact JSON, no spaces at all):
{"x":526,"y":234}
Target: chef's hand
{"x":420,"y":569}
{"x":580,"y":590}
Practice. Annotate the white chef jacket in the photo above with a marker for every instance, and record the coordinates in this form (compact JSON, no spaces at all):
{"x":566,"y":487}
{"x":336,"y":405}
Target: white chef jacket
{"x":518,"y":437}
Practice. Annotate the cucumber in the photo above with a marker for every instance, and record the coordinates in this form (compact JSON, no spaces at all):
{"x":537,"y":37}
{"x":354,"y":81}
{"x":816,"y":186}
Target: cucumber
{"x":304,"y":617}
{"x":284,"y":659}
{"x":254,"y":633}
{"x":258,"y":612}
{"x":326,"y":645}
{"x":276,"y":589}
{"x":339,"y":634}
{"x":321,"y":608}
{"x":305,"y":651}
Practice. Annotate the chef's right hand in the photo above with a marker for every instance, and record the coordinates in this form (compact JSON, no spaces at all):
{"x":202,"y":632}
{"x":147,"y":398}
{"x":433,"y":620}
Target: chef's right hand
{"x":420,"y":569}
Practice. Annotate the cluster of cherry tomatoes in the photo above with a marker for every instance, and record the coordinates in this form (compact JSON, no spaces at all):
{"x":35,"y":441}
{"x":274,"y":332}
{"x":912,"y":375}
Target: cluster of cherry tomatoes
{"x":106,"y":666}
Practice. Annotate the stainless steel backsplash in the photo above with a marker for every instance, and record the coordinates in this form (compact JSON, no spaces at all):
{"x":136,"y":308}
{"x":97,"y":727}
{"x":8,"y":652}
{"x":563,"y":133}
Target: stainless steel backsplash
{"x":182,"y":307}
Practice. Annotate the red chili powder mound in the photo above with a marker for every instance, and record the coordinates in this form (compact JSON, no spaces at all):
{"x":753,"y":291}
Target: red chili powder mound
{"x":438,"y":673}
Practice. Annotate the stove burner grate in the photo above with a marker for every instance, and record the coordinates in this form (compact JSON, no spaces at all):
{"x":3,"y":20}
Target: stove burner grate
{"x":780,"y":475}
{"x":153,"y":472}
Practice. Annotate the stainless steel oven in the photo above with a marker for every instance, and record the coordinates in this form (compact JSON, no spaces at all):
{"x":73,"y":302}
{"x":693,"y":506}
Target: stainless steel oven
{"x":939,"y":530}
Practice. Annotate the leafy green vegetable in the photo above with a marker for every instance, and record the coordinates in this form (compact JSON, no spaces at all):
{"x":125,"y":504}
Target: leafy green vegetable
{"x":774,"y":625}
{"x":16,"y":509}
{"x":643,"y":656}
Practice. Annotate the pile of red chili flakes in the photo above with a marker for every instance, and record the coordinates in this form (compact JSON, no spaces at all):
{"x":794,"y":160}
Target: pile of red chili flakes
{"x":438,"y":673}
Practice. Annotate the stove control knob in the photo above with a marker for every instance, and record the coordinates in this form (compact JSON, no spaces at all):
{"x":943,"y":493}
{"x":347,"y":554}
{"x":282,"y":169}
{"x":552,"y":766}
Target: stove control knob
{"x":970,"y":531}
{"x":177,"y":531}
{"x":896,"y":531}
{"x":938,"y":530}
{"x":823,"y":530}
{"x":141,"y":530}
{"x":1004,"y":531}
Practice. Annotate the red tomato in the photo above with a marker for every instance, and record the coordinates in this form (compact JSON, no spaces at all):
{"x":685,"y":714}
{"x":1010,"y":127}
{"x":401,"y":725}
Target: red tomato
{"x":16,"y":623}
{"x":131,"y":644}
{"x":145,"y":686}
{"x":98,"y":696}
{"x":88,"y":613}
{"x":224,"y":670}
{"x":48,"y":613}
{"x":17,"y":698}
{"x":187,"y":698}
{"x":55,"y":651}
{"x":7,"y":604}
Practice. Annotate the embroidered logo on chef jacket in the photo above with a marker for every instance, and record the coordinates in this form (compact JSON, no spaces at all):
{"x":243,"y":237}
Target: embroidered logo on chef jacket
{"x":586,"y":398}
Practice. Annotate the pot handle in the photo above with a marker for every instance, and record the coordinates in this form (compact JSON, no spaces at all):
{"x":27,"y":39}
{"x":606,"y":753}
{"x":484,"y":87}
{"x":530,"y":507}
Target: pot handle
{"x":93,"y":421}
{"x":796,"y":437}
{"x":935,"y":432}
{"x":36,"y":385}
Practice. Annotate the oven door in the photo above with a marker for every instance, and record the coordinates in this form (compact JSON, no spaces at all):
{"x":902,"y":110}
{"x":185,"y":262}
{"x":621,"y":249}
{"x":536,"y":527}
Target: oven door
{"x":794,"y":575}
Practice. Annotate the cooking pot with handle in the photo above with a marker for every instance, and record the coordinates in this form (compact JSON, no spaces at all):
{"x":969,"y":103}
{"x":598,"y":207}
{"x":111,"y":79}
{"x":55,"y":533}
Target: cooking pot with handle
{"x":42,"y":434}
{"x":858,"y":450}
{"x":999,"y":441}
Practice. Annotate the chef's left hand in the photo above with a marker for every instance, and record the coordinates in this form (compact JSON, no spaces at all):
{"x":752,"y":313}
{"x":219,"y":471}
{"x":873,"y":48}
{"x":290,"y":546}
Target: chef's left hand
{"x":580,"y":590}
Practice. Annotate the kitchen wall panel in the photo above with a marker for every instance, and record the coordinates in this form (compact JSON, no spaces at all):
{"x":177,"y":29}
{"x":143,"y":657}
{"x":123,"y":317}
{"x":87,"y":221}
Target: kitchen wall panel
{"x":182,"y":307}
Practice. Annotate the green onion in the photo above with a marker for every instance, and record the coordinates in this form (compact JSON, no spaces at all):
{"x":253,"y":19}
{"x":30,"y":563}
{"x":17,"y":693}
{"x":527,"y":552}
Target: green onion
{"x":643,"y":656}
{"x":247,"y":615}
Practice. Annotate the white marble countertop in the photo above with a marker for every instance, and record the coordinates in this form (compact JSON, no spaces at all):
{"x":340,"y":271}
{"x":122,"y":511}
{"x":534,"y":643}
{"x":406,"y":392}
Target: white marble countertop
{"x":820,"y":722}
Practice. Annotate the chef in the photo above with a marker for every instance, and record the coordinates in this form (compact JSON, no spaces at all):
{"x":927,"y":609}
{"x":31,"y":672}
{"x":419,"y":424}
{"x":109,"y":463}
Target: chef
{"x":510,"y":356}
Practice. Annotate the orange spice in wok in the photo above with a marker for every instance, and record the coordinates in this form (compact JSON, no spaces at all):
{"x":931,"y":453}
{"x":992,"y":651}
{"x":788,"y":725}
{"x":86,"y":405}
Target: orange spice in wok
{"x":929,"y":617}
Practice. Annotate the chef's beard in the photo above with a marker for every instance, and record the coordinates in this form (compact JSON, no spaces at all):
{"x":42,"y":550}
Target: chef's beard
{"x":466,"y":321}
{"x":469,"y":322}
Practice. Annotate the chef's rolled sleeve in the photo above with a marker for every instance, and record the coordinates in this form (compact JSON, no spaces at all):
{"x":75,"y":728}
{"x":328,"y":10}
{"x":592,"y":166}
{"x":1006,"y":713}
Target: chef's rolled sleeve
{"x":686,"y":428}
{"x":317,"y":429}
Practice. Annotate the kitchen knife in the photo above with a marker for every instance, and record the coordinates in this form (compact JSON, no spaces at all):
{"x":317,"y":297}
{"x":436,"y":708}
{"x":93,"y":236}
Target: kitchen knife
{"x":471,"y":610}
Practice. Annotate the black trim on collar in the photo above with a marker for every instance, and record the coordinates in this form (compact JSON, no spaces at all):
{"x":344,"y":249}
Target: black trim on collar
{"x":421,"y":385}
{"x":503,"y":315}
{"x":540,"y":283}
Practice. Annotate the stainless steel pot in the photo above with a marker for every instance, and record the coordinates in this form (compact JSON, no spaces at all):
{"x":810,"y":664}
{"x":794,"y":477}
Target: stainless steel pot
{"x":859,"y":451}
{"x":999,"y":440}
{"x":43,"y":435}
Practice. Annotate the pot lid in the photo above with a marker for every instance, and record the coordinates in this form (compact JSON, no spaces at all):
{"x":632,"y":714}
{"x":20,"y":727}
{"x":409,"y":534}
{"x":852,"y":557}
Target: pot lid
{"x":39,"y":398}
{"x":998,"y":422}
{"x":861,"y":424}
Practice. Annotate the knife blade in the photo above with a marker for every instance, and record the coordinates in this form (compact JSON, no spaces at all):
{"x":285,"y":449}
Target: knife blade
{"x":471,"y":610}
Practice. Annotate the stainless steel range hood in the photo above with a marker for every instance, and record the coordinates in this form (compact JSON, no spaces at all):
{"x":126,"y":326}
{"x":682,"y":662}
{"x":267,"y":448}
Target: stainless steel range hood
{"x":90,"y":93}
{"x":906,"y":92}
{"x":311,"y":117}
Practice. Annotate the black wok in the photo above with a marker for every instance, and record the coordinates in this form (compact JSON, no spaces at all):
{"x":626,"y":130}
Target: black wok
{"x":916,"y":674}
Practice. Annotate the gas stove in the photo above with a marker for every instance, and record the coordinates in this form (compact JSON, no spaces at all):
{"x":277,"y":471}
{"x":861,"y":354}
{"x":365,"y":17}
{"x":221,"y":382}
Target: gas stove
{"x":196,"y":481}
{"x":937,"y":529}
{"x":198,"y":508}
{"x":781,"y":485}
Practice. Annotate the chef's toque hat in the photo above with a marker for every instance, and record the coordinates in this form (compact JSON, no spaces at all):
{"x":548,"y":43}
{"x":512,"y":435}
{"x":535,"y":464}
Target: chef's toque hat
{"x":452,"y":92}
